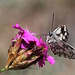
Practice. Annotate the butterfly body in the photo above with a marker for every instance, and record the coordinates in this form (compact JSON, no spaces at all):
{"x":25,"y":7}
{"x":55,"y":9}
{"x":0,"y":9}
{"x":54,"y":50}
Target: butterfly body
{"x":57,"y":42}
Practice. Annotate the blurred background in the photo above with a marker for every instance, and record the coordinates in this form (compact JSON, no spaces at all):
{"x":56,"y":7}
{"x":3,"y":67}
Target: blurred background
{"x":37,"y":16}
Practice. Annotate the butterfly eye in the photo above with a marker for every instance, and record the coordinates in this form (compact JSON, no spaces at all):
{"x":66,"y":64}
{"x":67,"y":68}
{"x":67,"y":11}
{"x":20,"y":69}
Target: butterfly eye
{"x":50,"y":34}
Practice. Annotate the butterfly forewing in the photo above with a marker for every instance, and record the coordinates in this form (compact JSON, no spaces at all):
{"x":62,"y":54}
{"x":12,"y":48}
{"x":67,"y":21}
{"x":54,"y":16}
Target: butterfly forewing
{"x":62,"y":32}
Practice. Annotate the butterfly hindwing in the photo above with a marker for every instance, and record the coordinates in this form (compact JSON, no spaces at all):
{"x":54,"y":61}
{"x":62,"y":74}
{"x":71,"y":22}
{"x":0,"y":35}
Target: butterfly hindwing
{"x":61,"y":48}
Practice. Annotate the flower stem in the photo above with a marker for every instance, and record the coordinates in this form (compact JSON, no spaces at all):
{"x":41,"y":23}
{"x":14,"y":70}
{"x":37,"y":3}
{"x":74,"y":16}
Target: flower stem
{"x":2,"y":70}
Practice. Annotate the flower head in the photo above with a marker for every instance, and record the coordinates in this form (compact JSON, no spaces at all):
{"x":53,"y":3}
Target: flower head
{"x":26,"y":50}
{"x":29,"y":39}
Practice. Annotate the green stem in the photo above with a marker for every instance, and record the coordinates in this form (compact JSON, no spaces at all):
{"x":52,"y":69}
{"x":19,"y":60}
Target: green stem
{"x":2,"y":70}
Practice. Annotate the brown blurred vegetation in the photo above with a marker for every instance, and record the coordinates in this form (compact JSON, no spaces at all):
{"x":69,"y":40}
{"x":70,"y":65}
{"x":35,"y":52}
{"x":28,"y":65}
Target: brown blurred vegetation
{"x":37,"y":16}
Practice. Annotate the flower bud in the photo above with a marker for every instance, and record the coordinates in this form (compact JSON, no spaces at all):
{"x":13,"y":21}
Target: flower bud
{"x":27,"y":58}
{"x":12,"y":52}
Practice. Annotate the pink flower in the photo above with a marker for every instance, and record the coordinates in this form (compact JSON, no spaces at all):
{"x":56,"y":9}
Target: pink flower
{"x":29,"y":40}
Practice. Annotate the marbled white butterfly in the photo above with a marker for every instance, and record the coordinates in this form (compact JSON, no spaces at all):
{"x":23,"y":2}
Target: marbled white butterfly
{"x":57,"y":41}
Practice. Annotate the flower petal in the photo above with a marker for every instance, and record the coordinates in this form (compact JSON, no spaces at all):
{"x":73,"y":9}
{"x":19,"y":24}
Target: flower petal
{"x":17,"y":26}
{"x":41,"y":63}
{"x":51,"y":60}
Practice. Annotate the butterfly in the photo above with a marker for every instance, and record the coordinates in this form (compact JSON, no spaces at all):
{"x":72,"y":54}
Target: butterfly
{"x":57,"y":41}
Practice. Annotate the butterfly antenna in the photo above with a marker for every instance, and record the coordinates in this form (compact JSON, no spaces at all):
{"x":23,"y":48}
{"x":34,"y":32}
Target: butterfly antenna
{"x":52,"y":22}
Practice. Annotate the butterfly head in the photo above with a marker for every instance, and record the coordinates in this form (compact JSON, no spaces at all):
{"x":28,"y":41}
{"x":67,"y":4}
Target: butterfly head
{"x":50,"y":37}
{"x":50,"y":34}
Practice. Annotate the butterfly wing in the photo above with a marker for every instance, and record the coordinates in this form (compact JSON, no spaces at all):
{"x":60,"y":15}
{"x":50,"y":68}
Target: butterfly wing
{"x":62,"y":32}
{"x":57,"y":41}
{"x":62,"y":48}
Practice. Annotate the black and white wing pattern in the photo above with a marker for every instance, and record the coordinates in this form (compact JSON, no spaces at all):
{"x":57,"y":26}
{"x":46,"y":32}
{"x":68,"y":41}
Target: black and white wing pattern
{"x":57,"y":41}
{"x":62,"y":33}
